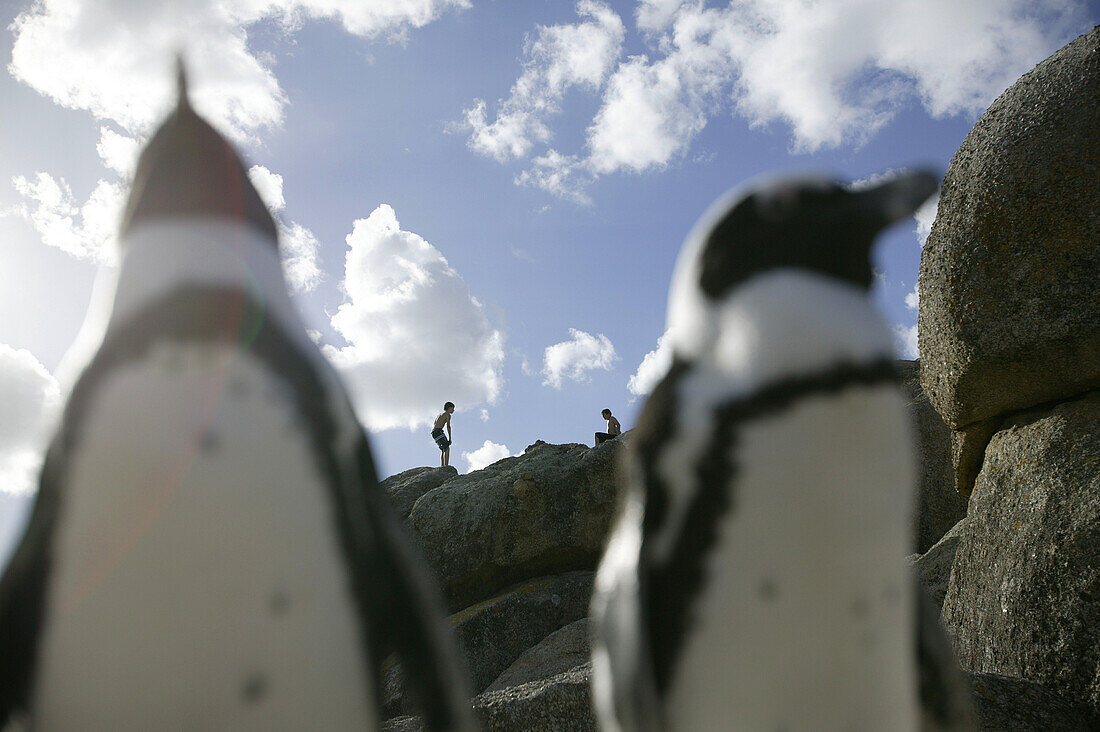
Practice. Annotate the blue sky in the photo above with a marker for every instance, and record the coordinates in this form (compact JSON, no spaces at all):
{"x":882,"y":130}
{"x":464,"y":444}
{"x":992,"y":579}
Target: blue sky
{"x":481,"y":200}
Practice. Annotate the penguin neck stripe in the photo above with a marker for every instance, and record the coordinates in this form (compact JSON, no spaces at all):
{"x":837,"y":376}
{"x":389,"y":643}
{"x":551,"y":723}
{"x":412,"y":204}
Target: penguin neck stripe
{"x":672,"y":587}
{"x":166,"y":255}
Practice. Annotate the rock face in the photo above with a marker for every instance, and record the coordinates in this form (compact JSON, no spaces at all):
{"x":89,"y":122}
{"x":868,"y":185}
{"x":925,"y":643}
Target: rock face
{"x":1009,"y":330}
{"x":934,"y":566}
{"x":544,"y":512}
{"x":939,"y":506}
{"x":1024,"y":594}
{"x":527,"y":643}
{"x":1006,"y":703}
{"x":1009,"y":316}
{"x":561,"y":703}
{"x":405,"y":488}
{"x":968,"y":450}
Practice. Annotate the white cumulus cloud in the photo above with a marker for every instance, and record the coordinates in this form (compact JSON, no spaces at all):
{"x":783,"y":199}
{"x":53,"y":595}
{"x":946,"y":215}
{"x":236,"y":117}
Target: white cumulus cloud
{"x":560,"y":175}
{"x":926,"y":216}
{"x":118,"y":152}
{"x":830,"y":73}
{"x":113,"y":59}
{"x":912,"y":300}
{"x":299,"y":249}
{"x":654,"y":109}
{"x":905,"y":340}
{"x":655,"y":15}
{"x":32,"y":400}
{"x":487,"y":454}
{"x":416,"y":337}
{"x":836,"y":72}
{"x":574,"y":358}
{"x":270,"y":187}
{"x":392,"y":18}
{"x":652,"y":369}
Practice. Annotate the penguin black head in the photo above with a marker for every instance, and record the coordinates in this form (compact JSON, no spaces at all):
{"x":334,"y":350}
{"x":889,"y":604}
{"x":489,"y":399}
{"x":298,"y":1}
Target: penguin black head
{"x":189,"y":169}
{"x":810,"y":224}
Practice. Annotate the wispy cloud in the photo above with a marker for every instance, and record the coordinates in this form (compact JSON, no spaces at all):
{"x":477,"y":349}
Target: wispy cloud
{"x":85,"y":230}
{"x":563,"y":176}
{"x":832,"y":74}
{"x":298,"y":246}
{"x":524,"y":256}
{"x":555,"y":59}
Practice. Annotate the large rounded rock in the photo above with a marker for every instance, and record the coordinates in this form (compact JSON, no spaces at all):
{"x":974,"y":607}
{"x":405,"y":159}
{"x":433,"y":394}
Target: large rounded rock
{"x":561,"y":703}
{"x":493,"y":634}
{"x":564,"y":649}
{"x":405,"y":488}
{"x":939,"y":505}
{"x":1009,"y":316}
{"x":1024,"y":594}
{"x":544,"y":512}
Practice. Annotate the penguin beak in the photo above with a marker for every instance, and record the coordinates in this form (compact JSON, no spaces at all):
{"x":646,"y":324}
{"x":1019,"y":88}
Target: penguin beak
{"x":896,"y":198}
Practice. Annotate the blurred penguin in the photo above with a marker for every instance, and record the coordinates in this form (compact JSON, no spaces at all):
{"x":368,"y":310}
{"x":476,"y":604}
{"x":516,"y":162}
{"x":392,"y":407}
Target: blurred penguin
{"x":755,"y":576}
{"x":209,"y":548}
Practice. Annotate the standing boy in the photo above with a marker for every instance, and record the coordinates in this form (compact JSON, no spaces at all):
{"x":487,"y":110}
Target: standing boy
{"x":444,"y":441}
{"x":613,"y":428}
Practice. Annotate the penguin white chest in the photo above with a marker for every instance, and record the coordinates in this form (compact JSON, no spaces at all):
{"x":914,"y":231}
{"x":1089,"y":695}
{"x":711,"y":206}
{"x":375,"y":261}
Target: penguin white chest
{"x":804,"y":620}
{"x":197,"y":577}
